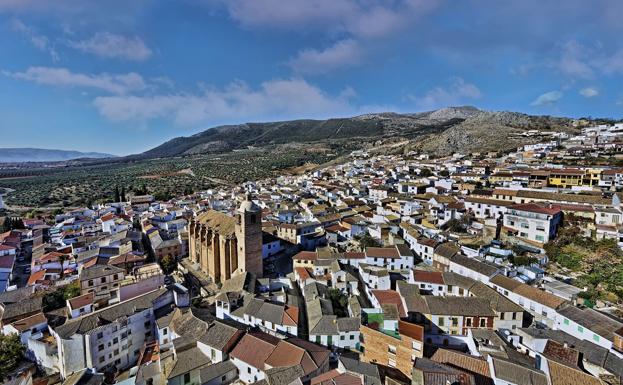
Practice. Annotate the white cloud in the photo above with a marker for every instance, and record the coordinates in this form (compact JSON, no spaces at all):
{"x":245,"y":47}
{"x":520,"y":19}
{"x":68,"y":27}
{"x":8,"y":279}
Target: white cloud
{"x":360,"y":18}
{"x":612,"y":64}
{"x":344,"y":53}
{"x":589,"y":92}
{"x":109,"y":45}
{"x":548,"y":98}
{"x":580,"y":61}
{"x":62,"y":77}
{"x":573,"y":60}
{"x":41,"y":42}
{"x":358,"y":23}
{"x":275,"y":99}
{"x":456,"y":92}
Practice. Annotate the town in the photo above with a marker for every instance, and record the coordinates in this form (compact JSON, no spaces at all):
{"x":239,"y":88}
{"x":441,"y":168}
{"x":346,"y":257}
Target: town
{"x":481,"y":268}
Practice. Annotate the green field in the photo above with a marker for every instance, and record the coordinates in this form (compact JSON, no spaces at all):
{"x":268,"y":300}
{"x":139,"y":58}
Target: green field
{"x":81,"y":185}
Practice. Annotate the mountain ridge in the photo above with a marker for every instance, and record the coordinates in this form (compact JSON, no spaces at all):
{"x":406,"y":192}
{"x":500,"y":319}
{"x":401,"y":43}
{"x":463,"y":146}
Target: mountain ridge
{"x":441,"y":131}
{"x":31,"y":154}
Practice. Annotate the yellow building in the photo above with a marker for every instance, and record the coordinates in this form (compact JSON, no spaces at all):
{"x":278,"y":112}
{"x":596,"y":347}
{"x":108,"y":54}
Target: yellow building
{"x":566,"y":178}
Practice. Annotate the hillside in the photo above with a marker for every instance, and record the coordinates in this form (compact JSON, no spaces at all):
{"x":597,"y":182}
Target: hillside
{"x":238,"y":153}
{"x":441,"y":131}
{"x":20,"y":155}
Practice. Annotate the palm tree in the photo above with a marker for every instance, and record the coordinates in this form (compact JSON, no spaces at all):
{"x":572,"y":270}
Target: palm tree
{"x":62,"y":258}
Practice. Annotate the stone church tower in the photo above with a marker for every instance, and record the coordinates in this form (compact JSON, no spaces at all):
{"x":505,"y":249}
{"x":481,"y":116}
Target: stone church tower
{"x":249,"y":237}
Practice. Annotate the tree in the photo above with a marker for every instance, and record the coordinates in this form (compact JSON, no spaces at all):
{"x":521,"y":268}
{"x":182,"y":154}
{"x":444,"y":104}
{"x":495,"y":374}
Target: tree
{"x":62,"y":258}
{"x":123,"y":194}
{"x":11,"y":353}
{"x":168,"y":264}
{"x":367,"y":240}
{"x":444,"y":173}
{"x":425,"y":173}
{"x":339,"y":302}
{"x":58,"y":298}
{"x":117,"y":196}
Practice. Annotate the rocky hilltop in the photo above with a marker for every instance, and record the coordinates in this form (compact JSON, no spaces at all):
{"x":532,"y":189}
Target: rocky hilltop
{"x":442,"y":131}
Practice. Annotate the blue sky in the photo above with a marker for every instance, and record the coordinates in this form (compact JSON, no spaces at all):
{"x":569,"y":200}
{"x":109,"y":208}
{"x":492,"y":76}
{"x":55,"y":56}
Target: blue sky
{"x":124,"y":76}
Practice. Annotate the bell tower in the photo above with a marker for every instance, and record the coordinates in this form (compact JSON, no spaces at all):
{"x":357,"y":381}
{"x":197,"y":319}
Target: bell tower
{"x":249,"y":237}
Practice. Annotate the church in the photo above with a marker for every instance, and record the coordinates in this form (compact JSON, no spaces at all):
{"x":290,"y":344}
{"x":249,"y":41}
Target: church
{"x":223,"y":245}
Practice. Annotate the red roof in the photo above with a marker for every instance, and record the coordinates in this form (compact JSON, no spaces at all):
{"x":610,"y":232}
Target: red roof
{"x":51,"y":257}
{"x":306,"y":255}
{"x":390,"y":297}
{"x":6,"y":261}
{"x":81,"y":301}
{"x":303,"y":273}
{"x":382,"y":252}
{"x":254,"y":348}
{"x":36,"y":277}
{"x":537,"y":208}
{"x":291,"y":316}
{"x":428,"y":276}
{"x":354,"y":255}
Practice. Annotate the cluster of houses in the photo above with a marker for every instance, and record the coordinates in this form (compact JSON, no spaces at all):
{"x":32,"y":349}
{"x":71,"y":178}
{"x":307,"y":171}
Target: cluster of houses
{"x":382,"y":269}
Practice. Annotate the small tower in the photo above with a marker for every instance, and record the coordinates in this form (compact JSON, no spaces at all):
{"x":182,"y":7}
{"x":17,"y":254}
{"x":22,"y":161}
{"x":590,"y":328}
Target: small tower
{"x":249,"y":237}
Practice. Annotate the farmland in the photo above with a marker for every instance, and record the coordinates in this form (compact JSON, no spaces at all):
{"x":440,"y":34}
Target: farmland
{"x":79,"y":185}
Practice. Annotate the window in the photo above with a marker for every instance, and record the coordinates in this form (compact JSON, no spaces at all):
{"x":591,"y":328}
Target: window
{"x":90,"y":282}
{"x":165,"y":331}
{"x":566,"y":321}
{"x":441,"y":321}
{"x":468,"y":322}
{"x":100,"y":335}
{"x":115,"y":340}
{"x":103,"y":280}
{"x":580,"y":329}
{"x":391,"y":349}
{"x":249,"y":370}
{"x":116,"y":352}
{"x":595,"y":338}
{"x":352,"y":336}
{"x":101,"y":359}
{"x":483,"y":322}
{"x":455,"y":321}
{"x":186,"y":378}
{"x":514,"y":316}
{"x":100,"y":348}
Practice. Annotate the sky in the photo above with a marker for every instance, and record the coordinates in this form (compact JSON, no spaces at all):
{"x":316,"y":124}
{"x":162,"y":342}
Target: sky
{"x":124,"y":76}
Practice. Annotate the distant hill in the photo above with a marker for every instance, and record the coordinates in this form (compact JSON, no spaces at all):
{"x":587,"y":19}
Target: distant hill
{"x":464,"y":129}
{"x":20,"y":155}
